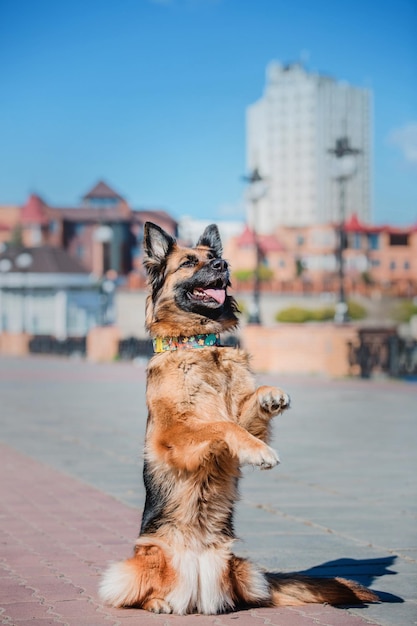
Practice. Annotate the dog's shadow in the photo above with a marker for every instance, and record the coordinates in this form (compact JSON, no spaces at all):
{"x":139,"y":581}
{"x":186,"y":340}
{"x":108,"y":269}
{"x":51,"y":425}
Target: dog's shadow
{"x":363,"y":571}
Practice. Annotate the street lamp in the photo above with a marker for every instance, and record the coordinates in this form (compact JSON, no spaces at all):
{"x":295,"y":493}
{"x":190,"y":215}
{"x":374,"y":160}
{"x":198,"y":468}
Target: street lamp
{"x":23,"y":261}
{"x":5,"y":267}
{"x":257,"y":189}
{"x":107,"y":294}
{"x":345,"y":168}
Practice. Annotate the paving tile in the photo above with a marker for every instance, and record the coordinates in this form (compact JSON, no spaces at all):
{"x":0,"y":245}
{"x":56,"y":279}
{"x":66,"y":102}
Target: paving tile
{"x":47,"y":621}
{"x":76,"y":609}
{"x":27,"y":610}
{"x":11,"y":592}
{"x":53,"y":589}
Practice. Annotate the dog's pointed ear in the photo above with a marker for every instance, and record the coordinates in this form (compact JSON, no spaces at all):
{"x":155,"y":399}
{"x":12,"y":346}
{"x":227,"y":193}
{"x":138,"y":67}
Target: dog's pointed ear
{"x":157,"y":245}
{"x":211,"y":239}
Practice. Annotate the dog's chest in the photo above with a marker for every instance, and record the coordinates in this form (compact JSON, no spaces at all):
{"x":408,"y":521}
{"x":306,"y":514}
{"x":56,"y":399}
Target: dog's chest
{"x":202,"y":378}
{"x":217,"y":367}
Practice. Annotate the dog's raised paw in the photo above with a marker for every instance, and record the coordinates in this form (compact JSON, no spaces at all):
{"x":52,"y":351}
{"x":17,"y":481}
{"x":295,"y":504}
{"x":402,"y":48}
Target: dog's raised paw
{"x":273,"y":400}
{"x":264,"y":457}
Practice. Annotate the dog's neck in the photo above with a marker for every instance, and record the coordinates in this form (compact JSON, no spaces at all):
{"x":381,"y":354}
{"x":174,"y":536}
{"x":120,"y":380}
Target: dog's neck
{"x":182,"y":342}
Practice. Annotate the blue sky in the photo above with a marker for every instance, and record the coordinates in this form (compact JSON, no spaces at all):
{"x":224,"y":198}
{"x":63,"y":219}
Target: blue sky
{"x":150,"y":95}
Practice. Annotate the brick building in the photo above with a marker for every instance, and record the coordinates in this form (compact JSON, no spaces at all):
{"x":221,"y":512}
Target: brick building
{"x":377,"y":259}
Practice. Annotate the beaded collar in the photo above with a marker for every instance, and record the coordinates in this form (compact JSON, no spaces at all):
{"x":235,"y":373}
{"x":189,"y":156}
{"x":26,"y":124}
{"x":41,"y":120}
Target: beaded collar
{"x":166,"y":344}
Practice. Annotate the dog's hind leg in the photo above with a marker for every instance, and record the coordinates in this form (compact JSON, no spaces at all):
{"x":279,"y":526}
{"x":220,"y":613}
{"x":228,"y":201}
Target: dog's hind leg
{"x":142,"y":581}
{"x":157,"y":605}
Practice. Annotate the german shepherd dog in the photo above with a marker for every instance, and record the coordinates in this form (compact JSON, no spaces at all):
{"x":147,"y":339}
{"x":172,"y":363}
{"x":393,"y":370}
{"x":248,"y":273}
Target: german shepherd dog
{"x":206,"y":419}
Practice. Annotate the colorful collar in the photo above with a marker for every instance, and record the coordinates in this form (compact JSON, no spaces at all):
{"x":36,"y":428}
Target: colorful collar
{"x":166,"y":344}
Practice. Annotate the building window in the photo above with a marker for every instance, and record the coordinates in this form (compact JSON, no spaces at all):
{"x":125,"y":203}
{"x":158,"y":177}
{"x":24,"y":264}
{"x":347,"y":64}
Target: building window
{"x":36,"y":234}
{"x":373,"y":241}
{"x":54,"y":226}
{"x":392,"y":265}
{"x":79,"y":251}
{"x":356,"y":241}
{"x":398,"y":239}
{"x":79,"y":229}
{"x":102,"y":203}
{"x":136,"y":252}
{"x":406,"y":265}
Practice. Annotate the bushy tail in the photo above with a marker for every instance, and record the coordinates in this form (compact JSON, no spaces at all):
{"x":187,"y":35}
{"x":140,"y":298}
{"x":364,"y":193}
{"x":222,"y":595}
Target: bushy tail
{"x":120,"y":585}
{"x":295,"y":590}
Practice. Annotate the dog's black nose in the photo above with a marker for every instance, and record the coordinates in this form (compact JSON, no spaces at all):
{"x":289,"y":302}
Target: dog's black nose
{"x":220,"y":265}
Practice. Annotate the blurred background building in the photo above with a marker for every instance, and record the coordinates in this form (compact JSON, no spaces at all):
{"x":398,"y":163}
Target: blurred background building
{"x":69,"y":273}
{"x":290,"y":131}
{"x":378,"y":260}
{"x":103,"y":233}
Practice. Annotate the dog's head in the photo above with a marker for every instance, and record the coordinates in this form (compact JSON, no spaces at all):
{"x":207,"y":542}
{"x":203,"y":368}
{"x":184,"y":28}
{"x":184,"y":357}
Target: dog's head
{"x":188,"y":286}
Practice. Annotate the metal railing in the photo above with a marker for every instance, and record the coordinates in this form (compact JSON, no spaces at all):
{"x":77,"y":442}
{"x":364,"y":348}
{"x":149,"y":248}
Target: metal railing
{"x":383,"y":351}
{"x":47,"y":344}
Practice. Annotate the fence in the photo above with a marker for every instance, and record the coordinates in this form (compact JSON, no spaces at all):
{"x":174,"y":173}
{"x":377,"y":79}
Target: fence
{"x":133,"y":348}
{"x":382,"y":351}
{"x":46,"y":344}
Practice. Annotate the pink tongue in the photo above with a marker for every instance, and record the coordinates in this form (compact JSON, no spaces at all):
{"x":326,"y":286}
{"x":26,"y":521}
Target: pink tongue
{"x":217,"y":294}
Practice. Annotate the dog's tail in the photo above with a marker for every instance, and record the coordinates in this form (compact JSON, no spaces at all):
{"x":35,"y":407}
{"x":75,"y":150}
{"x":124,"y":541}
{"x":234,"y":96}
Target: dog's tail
{"x":296,"y":590}
{"x":119,"y":585}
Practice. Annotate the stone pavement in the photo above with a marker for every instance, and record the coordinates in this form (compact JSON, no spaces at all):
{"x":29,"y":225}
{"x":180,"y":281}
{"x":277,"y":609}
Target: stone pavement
{"x":342,"y":502}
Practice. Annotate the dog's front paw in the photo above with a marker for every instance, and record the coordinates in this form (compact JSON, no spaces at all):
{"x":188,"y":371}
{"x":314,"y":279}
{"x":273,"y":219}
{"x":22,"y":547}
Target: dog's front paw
{"x":265,"y":457}
{"x":273,"y":400}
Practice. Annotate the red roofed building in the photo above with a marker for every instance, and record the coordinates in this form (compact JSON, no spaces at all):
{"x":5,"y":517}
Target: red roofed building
{"x":102,"y":191}
{"x":34,"y":211}
{"x":242,"y":254}
{"x":381,"y":259}
{"x":103,"y":233}
{"x":267,"y":243}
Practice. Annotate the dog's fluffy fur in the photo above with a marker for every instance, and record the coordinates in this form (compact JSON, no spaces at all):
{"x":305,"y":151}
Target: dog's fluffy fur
{"x":206,"y":419}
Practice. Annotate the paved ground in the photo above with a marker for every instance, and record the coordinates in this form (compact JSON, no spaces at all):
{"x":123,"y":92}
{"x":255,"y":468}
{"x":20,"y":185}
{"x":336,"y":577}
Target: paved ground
{"x":342,"y":502}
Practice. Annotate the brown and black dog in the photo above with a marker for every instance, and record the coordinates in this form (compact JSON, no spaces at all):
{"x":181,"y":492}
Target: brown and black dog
{"x":206,"y":419}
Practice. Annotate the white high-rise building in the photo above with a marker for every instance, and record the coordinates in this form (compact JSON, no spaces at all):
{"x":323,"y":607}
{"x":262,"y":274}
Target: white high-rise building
{"x":289,"y":133}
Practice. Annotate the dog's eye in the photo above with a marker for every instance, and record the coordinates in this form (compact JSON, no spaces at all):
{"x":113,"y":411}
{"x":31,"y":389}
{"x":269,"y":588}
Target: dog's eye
{"x":190,"y":262}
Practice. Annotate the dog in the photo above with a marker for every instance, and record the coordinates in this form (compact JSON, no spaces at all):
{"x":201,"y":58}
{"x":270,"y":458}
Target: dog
{"x":206,"y":419}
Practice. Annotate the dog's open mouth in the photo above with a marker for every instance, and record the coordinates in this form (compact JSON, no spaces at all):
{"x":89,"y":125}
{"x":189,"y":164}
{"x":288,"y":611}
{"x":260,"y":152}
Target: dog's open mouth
{"x":208,"y":296}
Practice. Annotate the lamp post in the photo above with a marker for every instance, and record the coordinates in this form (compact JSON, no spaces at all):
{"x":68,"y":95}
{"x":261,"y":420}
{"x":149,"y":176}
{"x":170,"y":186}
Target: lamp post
{"x":5,"y":267}
{"x":23,"y":262}
{"x":345,"y":167}
{"x":257,"y":189}
{"x":107,"y":294}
